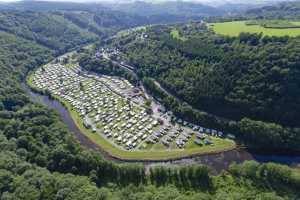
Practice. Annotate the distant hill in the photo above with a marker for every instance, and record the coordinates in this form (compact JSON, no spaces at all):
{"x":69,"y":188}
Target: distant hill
{"x":178,"y":8}
{"x":45,"y":6}
{"x":167,"y":12}
{"x":282,"y":10}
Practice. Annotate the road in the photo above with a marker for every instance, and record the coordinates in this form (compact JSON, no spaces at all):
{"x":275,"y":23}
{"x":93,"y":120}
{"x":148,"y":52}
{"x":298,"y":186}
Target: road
{"x":126,"y":67}
{"x":130,"y":68}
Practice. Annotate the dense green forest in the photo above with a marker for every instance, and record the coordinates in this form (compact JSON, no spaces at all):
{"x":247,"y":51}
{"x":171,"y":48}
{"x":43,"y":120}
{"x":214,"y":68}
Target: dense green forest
{"x":105,"y":23}
{"x":122,"y":15}
{"x":40,"y":158}
{"x":45,"y":29}
{"x":250,"y":80}
{"x":62,"y":30}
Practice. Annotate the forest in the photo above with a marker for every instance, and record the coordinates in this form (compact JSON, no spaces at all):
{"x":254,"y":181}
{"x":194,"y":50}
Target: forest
{"x":243,"y":84}
{"x":41,"y":159}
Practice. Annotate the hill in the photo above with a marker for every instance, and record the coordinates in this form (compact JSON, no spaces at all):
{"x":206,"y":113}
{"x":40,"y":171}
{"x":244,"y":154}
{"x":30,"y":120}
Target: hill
{"x":222,"y":76}
{"x":163,"y":12}
{"x":45,"y":29}
{"x":178,"y":10}
{"x":278,"y":11}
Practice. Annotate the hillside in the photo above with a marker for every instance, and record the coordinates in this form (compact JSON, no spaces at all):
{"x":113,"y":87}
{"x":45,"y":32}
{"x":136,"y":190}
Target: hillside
{"x":76,"y":27}
{"x":168,"y":11}
{"x":279,"y":11}
{"x":226,"y":77}
{"x":147,"y":12}
{"x":104,"y":23}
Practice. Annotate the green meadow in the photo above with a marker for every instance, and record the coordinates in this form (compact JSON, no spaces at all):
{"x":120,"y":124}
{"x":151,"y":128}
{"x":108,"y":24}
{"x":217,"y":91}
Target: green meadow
{"x":236,"y":27}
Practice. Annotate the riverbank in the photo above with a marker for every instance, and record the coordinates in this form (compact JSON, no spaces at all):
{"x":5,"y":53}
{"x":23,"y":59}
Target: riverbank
{"x":217,"y":162}
{"x":220,"y":144}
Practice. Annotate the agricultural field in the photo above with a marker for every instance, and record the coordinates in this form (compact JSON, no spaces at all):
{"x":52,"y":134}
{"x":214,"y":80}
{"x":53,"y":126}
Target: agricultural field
{"x":271,"y":28}
{"x":111,"y":112}
{"x":276,"y":24}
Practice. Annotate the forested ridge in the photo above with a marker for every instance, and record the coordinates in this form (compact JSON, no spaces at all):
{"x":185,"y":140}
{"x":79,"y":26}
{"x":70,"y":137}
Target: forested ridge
{"x":49,"y":30}
{"x":105,"y":23}
{"x":40,"y":158}
{"x":286,"y":10}
{"x":63,"y":30}
{"x":251,"y":80}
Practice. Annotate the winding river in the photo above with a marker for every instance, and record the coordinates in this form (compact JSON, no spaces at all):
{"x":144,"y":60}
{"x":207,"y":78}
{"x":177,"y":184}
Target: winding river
{"x":217,"y":162}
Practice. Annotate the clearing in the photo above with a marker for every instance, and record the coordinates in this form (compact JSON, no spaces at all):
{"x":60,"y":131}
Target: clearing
{"x":237,"y":27}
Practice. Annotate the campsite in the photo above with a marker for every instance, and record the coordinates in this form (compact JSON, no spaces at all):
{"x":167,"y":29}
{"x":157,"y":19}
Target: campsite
{"x":111,"y":110}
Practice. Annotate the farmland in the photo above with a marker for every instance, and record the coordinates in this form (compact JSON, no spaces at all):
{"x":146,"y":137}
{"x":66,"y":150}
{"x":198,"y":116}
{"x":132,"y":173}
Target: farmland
{"x":237,"y":27}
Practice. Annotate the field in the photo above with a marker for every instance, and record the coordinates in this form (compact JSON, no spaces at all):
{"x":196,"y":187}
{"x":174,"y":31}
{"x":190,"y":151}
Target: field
{"x":235,"y":28}
{"x":277,"y":24}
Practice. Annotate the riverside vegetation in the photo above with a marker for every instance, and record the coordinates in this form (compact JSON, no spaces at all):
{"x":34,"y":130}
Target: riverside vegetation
{"x":40,"y":159}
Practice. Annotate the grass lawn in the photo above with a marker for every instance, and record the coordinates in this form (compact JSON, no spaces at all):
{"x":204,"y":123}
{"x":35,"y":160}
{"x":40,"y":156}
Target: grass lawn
{"x":158,"y":153}
{"x":236,"y":27}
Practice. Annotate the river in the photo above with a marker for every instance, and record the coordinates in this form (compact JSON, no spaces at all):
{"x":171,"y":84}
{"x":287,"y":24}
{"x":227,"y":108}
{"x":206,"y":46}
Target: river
{"x":217,"y":162}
